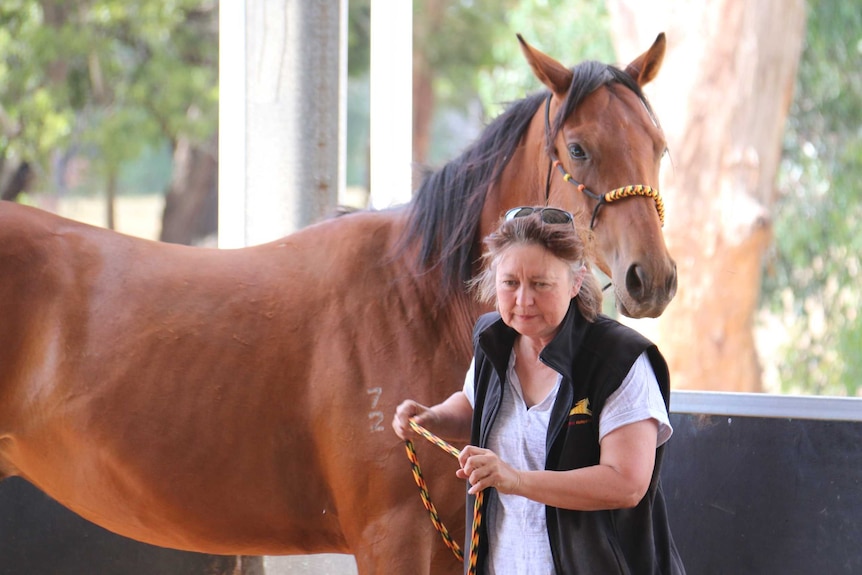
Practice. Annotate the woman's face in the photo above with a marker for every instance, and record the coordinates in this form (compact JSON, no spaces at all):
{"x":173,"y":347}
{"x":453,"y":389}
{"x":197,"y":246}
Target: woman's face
{"x":534,"y":289}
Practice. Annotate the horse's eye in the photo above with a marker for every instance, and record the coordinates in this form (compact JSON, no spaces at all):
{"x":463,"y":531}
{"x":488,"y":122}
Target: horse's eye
{"x":577,"y":152}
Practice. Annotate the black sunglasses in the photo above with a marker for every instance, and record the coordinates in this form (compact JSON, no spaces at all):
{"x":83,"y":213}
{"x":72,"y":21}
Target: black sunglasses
{"x":547,"y":215}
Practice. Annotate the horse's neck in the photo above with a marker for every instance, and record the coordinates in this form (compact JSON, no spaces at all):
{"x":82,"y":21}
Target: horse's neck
{"x":522,"y":181}
{"x":463,"y":311}
{"x":450,"y":316}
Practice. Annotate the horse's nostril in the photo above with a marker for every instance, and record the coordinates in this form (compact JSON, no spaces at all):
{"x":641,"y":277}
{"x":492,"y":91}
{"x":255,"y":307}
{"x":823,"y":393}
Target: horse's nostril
{"x":635,"y":282}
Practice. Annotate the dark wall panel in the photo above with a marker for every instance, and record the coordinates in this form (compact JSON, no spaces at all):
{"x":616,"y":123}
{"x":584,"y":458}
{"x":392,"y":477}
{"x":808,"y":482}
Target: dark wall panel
{"x":40,"y":537}
{"x":750,"y":495}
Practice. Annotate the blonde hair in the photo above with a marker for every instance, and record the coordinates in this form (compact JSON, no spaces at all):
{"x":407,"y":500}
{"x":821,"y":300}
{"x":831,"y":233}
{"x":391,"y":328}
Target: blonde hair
{"x":563,"y":241}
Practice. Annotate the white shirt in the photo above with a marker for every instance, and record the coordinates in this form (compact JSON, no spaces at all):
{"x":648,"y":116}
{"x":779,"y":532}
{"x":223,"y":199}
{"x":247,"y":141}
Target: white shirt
{"x":517,"y":530}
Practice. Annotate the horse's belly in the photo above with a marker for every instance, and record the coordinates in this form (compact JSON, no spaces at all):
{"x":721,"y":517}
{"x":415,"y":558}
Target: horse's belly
{"x":212,"y":509}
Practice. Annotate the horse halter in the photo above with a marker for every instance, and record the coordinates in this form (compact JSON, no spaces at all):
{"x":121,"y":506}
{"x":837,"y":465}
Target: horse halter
{"x":612,"y":196}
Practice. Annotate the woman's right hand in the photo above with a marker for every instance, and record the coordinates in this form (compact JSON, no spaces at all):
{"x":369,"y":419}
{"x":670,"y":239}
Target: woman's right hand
{"x":407,"y":410}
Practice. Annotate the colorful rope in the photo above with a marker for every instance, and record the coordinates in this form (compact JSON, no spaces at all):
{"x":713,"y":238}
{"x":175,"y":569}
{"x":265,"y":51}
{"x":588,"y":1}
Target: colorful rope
{"x":429,"y":505}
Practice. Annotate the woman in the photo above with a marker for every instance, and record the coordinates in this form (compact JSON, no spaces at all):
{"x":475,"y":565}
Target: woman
{"x":566,"y":411}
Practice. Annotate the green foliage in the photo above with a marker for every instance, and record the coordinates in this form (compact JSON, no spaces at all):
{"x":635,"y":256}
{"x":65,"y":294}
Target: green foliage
{"x":34,"y":117}
{"x":569,"y":30}
{"x":358,"y":35}
{"x":813,"y":278}
{"x":478,"y":61}
{"x":461,"y":43}
{"x":108,"y":76}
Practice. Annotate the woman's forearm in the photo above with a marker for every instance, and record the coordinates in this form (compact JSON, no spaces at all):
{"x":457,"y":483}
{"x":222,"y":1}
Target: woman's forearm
{"x":620,"y":480}
{"x":450,"y":419}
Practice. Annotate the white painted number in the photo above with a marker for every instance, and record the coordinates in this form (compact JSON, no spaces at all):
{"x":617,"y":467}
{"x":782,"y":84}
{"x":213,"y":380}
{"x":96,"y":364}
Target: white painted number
{"x":375,"y":416}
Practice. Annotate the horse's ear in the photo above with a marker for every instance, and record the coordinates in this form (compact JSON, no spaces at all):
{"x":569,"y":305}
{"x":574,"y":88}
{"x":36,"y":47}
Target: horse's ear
{"x":645,"y":67}
{"x":551,"y":73}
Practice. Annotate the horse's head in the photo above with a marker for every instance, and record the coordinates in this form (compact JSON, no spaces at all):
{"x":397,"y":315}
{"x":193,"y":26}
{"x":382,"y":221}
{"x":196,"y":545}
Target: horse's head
{"x":604,"y":147}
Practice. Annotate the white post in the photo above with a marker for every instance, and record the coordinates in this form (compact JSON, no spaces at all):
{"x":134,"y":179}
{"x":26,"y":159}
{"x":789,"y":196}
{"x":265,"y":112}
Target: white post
{"x":391,"y":87}
{"x":232,"y":125}
{"x":282,"y":116}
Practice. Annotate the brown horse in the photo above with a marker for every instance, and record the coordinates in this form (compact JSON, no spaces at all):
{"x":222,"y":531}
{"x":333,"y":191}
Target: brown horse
{"x":237,"y":401}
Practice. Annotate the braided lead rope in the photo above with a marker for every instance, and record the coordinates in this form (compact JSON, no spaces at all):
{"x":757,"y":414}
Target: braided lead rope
{"x":429,"y":505}
{"x":432,"y":510}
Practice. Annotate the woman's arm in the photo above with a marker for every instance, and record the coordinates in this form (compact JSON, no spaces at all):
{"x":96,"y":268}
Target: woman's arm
{"x":620,"y":480}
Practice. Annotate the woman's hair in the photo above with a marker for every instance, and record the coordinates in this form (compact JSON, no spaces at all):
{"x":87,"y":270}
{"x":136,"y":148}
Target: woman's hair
{"x":563,"y":241}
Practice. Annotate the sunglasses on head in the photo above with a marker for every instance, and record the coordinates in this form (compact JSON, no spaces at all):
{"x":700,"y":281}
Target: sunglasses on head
{"x":547,"y":215}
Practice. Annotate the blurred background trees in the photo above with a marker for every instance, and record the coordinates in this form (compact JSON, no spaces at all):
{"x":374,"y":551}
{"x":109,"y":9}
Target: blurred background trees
{"x":112,"y":98}
{"x":109,"y":94}
{"x":812,"y":283}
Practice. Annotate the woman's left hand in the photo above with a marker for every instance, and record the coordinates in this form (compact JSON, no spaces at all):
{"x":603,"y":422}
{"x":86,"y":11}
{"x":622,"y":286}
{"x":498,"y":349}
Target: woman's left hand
{"x":483,"y":469}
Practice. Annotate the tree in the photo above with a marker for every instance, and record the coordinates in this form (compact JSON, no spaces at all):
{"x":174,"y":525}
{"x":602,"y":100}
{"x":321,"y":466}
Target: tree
{"x":452,"y":39}
{"x":574,"y":30}
{"x":106,"y":77}
{"x":191,"y":202}
{"x":723,"y":97}
{"x":466,"y":52}
{"x":812,"y":277}
{"x":36,"y":102}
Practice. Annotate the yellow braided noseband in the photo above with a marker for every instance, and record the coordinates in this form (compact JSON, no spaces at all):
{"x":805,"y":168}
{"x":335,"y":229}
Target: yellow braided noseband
{"x":638,"y":190}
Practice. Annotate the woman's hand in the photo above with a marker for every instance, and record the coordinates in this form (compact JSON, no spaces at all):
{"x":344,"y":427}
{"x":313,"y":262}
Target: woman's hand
{"x":483,"y":469}
{"x":407,"y":410}
{"x":450,"y":419}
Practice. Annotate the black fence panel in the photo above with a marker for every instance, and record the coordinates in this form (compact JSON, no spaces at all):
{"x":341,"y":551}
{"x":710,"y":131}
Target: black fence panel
{"x":40,"y":537}
{"x":765,"y":495}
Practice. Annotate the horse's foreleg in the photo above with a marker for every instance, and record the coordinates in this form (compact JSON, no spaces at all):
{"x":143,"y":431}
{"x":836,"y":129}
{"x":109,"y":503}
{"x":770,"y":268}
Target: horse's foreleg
{"x":249,"y":565}
{"x":399,"y":543}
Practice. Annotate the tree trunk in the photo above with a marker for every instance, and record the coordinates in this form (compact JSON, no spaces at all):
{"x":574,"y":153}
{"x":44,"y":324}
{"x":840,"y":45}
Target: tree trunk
{"x":722,"y":96}
{"x":18,"y":183}
{"x":425,"y":26}
{"x":191,"y":204}
{"x":111,"y":199}
{"x":423,"y":106}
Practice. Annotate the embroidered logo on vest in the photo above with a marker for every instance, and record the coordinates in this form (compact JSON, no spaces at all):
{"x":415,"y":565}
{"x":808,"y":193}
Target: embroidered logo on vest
{"x":581,"y":412}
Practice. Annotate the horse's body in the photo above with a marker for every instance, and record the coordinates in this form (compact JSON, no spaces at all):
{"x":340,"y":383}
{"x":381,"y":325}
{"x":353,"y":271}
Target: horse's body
{"x":238,"y":401}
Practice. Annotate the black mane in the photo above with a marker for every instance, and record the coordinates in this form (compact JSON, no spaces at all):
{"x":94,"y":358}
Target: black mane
{"x":445,"y":210}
